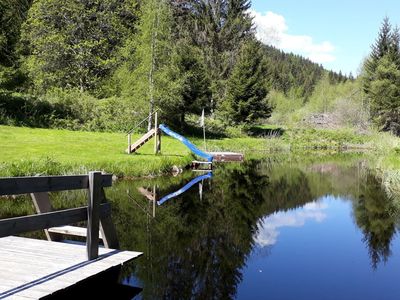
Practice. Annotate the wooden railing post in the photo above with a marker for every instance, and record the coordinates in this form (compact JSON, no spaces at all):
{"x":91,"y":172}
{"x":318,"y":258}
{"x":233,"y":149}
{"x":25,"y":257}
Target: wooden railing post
{"x":42,"y":204}
{"x":107,"y":227}
{"x":92,"y":240}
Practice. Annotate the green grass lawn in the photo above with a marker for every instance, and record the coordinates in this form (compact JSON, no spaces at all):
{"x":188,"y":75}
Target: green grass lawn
{"x":30,"y":151}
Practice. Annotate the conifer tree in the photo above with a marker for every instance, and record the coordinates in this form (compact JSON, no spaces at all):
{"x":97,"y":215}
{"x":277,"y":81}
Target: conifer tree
{"x":218,"y":29}
{"x":381,"y":47}
{"x":381,"y":79}
{"x":192,"y":86}
{"x":385,"y":95}
{"x":246,"y":88}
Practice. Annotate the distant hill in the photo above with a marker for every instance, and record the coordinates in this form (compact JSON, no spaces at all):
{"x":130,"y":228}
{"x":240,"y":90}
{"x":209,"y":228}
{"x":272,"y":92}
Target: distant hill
{"x":290,"y":72}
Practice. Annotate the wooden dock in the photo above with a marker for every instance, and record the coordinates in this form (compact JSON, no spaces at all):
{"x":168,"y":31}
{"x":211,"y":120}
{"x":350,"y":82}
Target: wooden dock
{"x":33,"y":269}
{"x":226,"y":156}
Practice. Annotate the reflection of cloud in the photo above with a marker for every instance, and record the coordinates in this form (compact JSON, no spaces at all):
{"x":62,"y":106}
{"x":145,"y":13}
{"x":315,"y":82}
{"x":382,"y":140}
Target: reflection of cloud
{"x":268,"y":226}
{"x":272,"y":29}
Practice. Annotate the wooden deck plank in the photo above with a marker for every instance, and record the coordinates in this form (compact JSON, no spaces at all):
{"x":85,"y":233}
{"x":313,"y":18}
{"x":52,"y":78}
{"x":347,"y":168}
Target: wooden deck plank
{"x":32,"y":268}
{"x":227,"y":156}
{"x":71,"y":230}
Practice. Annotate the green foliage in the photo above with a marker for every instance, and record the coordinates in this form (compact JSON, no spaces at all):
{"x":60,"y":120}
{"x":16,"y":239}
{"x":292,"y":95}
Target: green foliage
{"x":285,"y":108}
{"x":385,"y":92}
{"x":326,"y":94}
{"x":104,"y":65}
{"x":25,"y":110}
{"x":288,"y":72}
{"x":381,"y":79}
{"x":145,"y":77}
{"x":246,"y":100}
{"x":73,"y":44}
{"x":338,"y":105}
{"x":218,"y":28}
{"x":193,"y":85}
{"x":384,"y":44}
{"x":12,"y":14}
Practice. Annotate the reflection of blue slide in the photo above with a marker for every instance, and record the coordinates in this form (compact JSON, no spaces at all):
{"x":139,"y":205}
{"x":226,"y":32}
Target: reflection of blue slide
{"x":184,"y":188}
{"x":185,"y":141}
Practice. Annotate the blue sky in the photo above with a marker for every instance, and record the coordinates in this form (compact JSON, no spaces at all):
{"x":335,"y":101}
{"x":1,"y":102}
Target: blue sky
{"x":336,"y":33}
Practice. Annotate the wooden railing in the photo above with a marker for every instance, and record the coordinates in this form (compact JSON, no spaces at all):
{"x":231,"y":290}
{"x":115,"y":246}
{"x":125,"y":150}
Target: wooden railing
{"x":97,"y":213}
{"x":157,"y":136}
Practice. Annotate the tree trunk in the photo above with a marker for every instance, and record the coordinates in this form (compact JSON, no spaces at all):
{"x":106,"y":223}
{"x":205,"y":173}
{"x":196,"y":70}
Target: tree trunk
{"x":151,"y":72}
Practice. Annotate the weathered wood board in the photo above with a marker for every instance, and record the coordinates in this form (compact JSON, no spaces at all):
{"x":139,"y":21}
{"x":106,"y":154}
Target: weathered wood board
{"x":32,"y":269}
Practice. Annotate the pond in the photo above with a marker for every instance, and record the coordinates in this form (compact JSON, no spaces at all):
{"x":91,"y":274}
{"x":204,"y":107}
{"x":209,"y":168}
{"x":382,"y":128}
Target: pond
{"x":273,"y":228}
{"x":270,"y":228}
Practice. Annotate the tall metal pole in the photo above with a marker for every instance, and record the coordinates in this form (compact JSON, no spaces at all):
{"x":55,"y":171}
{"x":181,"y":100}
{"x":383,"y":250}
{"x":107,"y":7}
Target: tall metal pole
{"x":156,"y":133}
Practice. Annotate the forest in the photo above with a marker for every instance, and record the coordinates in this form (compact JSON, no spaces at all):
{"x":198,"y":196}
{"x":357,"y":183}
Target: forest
{"x":104,"y":65}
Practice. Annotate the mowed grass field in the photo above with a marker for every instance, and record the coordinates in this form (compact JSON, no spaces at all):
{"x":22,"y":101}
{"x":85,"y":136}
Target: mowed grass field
{"x":28,"y":151}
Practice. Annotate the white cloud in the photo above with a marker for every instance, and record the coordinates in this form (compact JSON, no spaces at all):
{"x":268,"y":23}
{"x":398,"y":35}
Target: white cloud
{"x":269,"y":226}
{"x":272,"y":29}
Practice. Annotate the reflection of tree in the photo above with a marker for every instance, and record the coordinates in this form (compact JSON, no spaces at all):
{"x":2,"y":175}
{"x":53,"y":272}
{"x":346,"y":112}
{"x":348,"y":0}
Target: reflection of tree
{"x":200,"y":246}
{"x":373,"y":215}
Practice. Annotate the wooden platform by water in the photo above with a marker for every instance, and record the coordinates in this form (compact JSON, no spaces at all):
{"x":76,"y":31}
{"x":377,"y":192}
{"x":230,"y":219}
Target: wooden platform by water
{"x":226,"y":156}
{"x":33,"y":269}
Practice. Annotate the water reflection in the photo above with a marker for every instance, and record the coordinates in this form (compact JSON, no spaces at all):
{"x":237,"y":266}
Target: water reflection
{"x":199,"y":179}
{"x":269,"y":225}
{"x":198,"y":247}
{"x":374,"y":215}
{"x":202,"y":244}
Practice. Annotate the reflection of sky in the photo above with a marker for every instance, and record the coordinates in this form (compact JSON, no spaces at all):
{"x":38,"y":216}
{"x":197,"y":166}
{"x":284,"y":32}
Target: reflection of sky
{"x":269,"y":226}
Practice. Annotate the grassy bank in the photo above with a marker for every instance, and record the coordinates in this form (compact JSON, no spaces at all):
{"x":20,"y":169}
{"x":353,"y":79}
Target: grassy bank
{"x":28,"y":151}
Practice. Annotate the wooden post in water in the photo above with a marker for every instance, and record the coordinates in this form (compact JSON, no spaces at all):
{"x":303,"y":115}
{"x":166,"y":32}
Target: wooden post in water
{"x":129,"y":143}
{"x":92,"y":237}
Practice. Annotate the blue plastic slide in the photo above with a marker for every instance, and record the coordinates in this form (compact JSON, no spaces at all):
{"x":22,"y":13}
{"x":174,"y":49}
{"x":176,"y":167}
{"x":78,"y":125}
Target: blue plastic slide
{"x":186,"y":142}
{"x":184,"y":188}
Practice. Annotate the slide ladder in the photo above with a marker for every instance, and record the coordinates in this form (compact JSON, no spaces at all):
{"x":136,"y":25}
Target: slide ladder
{"x":186,"y":142}
{"x":143,"y":140}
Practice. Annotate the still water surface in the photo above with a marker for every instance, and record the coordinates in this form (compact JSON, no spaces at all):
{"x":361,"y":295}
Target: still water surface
{"x":276,"y":228}
{"x":265,"y":229}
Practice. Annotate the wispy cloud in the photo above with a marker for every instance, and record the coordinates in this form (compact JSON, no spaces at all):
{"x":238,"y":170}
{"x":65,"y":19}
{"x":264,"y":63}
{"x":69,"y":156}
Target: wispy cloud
{"x":269,"y":226}
{"x":271,"y":29}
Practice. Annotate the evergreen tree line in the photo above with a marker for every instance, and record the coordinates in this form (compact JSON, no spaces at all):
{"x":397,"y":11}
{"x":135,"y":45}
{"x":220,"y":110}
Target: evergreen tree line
{"x":381,"y":78}
{"x":289,"y":72}
{"x":110,"y":63}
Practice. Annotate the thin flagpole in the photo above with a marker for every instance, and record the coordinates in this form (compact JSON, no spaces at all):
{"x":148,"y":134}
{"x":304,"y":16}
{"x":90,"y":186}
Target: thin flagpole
{"x":204,"y":129}
{"x":204,"y":134}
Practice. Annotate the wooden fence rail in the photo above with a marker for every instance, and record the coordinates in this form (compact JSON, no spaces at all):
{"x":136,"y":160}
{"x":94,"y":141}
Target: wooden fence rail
{"x":97,"y":212}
